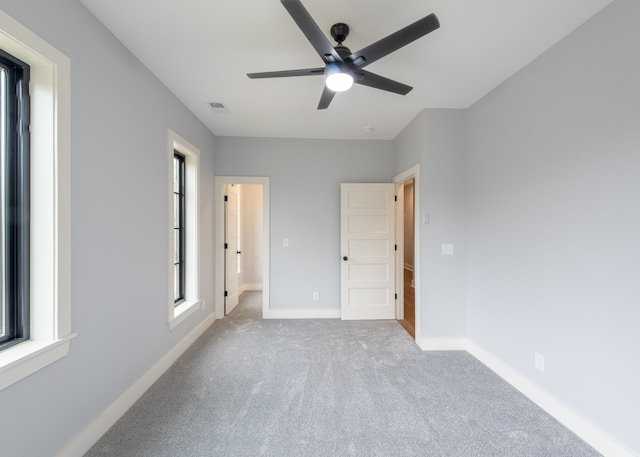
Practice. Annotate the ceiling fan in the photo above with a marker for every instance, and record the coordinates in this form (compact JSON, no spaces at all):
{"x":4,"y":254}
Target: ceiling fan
{"x":342,"y":67}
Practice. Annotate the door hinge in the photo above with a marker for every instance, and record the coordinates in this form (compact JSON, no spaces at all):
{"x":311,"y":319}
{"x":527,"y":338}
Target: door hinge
{"x":395,"y":247}
{"x":395,"y":198}
{"x":226,"y":294}
{"x":396,"y":296}
{"x":226,"y":246}
{"x":226,"y":198}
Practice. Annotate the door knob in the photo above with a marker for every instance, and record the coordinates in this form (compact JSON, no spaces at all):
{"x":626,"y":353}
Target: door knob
{"x":345,"y":258}
{"x":239,"y":252}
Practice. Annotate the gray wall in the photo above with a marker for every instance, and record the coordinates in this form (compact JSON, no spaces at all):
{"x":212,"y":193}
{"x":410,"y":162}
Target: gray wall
{"x":305,"y":177}
{"x":554,"y":221}
{"x":119,"y":249}
{"x":435,"y":140}
{"x":538,"y":182}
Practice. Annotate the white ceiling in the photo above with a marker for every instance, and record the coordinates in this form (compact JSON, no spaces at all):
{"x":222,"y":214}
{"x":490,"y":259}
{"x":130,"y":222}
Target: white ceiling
{"x":203,"y":49}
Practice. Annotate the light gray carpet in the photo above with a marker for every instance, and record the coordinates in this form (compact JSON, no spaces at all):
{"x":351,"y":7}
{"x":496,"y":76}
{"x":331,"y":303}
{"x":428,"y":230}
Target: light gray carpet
{"x":250,"y":387}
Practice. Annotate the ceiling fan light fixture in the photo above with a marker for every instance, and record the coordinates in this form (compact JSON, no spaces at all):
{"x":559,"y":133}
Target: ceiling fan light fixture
{"x":341,"y":65}
{"x":337,"y":79}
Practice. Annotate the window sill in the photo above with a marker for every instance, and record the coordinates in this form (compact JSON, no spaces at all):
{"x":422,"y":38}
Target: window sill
{"x":26,"y":358}
{"x":183,"y":311}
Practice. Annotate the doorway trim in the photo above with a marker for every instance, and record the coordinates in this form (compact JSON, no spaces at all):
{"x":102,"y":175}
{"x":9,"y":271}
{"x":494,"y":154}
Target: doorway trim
{"x":413,"y":172}
{"x":220,"y":182}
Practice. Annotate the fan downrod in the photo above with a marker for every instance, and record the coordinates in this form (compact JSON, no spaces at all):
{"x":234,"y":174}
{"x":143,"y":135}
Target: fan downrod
{"x":339,"y":32}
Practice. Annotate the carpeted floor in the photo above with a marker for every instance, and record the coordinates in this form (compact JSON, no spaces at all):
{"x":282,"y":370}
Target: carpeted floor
{"x":297,"y":388}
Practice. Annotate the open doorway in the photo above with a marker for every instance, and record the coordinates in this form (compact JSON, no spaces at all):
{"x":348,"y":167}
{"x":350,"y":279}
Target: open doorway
{"x":407,"y":265}
{"x":242,"y":240}
{"x":408,"y":320}
{"x":243,"y":243}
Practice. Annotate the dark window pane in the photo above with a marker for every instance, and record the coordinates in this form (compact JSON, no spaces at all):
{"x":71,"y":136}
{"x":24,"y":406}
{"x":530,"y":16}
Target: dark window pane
{"x":14,"y":200}
{"x":179,"y":226}
{"x":176,"y":210}
{"x":176,"y":167}
{"x":176,"y":283}
{"x":176,"y":246}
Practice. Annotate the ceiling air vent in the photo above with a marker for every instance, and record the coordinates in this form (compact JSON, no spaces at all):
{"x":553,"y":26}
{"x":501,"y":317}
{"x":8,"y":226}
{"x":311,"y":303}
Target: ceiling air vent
{"x":219,"y":108}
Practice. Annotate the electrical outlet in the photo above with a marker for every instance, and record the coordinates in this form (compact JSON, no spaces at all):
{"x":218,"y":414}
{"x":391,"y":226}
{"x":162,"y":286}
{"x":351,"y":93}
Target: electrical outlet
{"x":316,"y":295}
{"x":539,"y":361}
{"x":447,"y":249}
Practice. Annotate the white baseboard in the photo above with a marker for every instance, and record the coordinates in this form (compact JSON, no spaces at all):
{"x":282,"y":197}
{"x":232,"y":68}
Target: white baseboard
{"x":246,"y":287}
{"x":80,"y":444}
{"x":588,"y":432}
{"x":441,"y":344}
{"x":301,"y":314}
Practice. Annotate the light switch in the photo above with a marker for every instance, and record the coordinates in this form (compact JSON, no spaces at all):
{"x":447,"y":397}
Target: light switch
{"x":447,"y":249}
{"x":425,"y":218}
{"x":285,"y":243}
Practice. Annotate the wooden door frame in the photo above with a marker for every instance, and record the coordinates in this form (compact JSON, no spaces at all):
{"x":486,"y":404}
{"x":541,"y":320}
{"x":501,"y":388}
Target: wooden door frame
{"x":219,"y":222}
{"x":413,"y":172}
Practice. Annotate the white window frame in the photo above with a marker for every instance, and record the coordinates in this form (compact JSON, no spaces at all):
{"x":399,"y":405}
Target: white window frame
{"x":192,"y":301}
{"x":50,"y":275}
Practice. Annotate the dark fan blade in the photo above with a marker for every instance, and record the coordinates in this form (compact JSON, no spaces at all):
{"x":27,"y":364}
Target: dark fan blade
{"x":325,"y":99}
{"x":367,"y":78}
{"x":286,"y":73}
{"x":311,"y":30}
{"x":393,"y":42}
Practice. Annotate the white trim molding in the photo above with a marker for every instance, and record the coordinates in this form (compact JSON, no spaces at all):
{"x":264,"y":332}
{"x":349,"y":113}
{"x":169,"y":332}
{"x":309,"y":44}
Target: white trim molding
{"x":50,"y":212}
{"x":192,"y":301}
{"x":220,"y":181}
{"x":248,"y":287}
{"x":82,"y":442}
{"x":413,"y":172}
{"x":301,"y":314}
{"x":441,"y":344}
{"x":588,"y":432}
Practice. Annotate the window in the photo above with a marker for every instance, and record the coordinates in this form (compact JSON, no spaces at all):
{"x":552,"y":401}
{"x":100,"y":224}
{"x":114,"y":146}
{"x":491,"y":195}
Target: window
{"x":14,"y":200}
{"x":39,"y":332}
{"x":184,"y":271}
{"x":178,"y":227}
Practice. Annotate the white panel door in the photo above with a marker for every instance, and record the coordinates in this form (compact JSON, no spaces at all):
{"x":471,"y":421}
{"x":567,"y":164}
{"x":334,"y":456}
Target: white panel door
{"x":231,"y":249}
{"x":368,"y":251}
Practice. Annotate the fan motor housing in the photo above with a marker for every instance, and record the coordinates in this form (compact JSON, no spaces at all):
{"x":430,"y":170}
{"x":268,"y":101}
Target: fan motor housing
{"x":339,"y":32}
{"x":342,"y":51}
